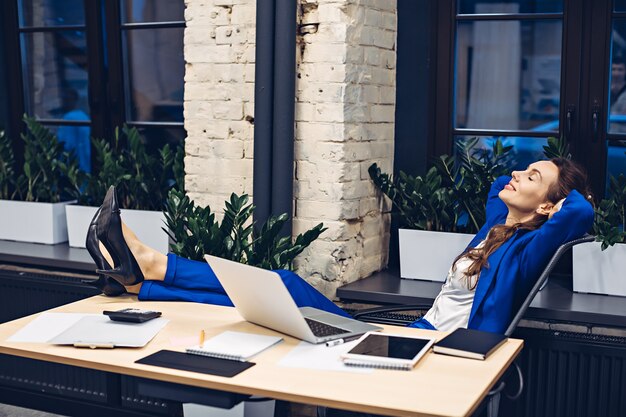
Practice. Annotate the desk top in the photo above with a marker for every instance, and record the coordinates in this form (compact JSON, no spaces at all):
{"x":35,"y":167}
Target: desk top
{"x":556,"y":301}
{"x":424,"y":391}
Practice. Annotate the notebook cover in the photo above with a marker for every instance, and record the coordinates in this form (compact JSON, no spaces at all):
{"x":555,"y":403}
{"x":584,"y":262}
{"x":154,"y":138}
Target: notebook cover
{"x":239,"y":346}
{"x":195,"y":363}
{"x":469,"y":340}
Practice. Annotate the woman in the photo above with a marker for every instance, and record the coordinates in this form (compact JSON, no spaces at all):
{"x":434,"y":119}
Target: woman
{"x":529,"y":215}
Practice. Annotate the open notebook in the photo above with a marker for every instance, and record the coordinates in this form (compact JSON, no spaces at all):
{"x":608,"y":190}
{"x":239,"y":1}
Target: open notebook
{"x":238,"y":346}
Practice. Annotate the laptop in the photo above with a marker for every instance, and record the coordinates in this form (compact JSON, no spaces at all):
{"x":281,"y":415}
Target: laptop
{"x":261,"y":298}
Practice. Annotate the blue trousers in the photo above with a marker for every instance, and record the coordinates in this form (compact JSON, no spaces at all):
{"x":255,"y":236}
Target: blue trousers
{"x":187,"y":280}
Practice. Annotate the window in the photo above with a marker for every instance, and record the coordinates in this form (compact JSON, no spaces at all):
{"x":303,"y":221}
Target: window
{"x":524,"y":70}
{"x":85,"y":67}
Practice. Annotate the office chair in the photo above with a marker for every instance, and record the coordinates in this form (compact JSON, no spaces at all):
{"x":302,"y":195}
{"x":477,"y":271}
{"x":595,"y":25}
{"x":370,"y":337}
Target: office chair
{"x":493,"y":397}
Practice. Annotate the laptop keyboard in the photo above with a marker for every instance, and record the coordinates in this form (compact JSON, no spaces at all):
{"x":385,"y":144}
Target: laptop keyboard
{"x":322,"y":329}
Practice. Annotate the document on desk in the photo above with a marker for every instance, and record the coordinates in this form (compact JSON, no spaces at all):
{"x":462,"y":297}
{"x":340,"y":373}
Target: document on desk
{"x":309,"y":356}
{"x":99,"y":330}
{"x":46,"y":326}
{"x":96,"y":329}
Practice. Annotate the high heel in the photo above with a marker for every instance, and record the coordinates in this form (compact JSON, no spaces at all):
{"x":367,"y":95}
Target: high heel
{"x":107,"y":285}
{"x":109,"y":232}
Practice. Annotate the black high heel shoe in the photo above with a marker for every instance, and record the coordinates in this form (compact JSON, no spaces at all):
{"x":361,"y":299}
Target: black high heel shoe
{"x":107,"y":285}
{"x":109,"y":232}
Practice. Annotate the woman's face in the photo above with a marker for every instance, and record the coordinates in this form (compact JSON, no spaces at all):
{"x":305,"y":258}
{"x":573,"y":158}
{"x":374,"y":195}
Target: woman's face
{"x":527,"y":192}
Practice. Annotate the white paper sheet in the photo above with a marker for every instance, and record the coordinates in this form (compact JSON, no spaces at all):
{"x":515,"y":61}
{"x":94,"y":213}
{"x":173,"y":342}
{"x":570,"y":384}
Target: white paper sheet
{"x":100,"y":330}
{"x":46,"y":326}
{"x":310,"y":356}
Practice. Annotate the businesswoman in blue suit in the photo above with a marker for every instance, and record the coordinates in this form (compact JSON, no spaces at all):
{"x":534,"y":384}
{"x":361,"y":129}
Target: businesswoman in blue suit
{"x":529,"y":215}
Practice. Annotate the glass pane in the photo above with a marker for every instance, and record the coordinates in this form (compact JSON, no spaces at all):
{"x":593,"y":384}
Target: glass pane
{"x":76,"y":139}
{"x":616,"y":158}
{"x":154,"y":71}
{"x":519,"y":6}
{"x":156,"y":137}
{"x":54,"y":67}
{"x":136,"y":11}
{"x":51,"y":12}
{"x":525,"y":150}
{"x":508,"y":75}
{"x":620,"y":6}
{"x":617,"y":79}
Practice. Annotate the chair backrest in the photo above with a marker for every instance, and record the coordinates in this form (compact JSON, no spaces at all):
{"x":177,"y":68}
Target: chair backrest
{"x":543,"y":279}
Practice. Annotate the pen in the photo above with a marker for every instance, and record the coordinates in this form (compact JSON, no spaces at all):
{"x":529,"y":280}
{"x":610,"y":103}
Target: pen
{"x":336,"y":342}
{"x":201,"y":338}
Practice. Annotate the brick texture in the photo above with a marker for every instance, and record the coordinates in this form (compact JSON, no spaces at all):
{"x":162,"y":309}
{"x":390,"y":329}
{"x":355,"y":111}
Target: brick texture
{"x":345,"y":104}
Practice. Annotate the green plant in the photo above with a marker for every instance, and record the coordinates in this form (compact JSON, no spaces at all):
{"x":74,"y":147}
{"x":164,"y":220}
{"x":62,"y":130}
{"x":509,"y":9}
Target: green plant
{"x":195,"y":232}
{"x":451,"y":196}
{"x":7,"y":168}
{"x":419,"y":202}
{"x":610,"y":217}
{"x":142,"y":178}
{"x":50,"y":173}
{"x":557,"y":148}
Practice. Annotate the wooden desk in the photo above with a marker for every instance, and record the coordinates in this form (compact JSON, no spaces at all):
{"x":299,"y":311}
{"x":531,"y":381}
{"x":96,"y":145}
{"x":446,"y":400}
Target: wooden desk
{"x":438,"y":386}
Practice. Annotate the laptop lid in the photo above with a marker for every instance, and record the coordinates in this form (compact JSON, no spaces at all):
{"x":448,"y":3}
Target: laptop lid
{"x":260,"y":297}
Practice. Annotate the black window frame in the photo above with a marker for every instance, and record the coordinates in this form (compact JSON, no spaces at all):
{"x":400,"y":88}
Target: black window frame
{"x":104,"y":66}
{"x":584,"y":80}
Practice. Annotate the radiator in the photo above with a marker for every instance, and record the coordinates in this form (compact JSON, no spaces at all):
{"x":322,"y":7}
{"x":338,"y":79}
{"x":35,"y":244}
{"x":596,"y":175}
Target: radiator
{"x":570,"y":374}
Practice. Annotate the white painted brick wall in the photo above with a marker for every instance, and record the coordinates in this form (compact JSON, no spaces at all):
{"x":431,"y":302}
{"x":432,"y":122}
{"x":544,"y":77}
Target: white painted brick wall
{"x":345,"y":104}
{"x":219,"y":99}
{"x":345,"y":115}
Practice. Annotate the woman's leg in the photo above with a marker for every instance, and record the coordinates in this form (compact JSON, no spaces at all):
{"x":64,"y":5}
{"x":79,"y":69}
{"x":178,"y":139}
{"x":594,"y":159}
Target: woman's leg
{"x":157,"y":291}
{"x":152,"y":263}
{"x":305,"y":295}
{"x":178,"y":279}
{"x":196,"y":281}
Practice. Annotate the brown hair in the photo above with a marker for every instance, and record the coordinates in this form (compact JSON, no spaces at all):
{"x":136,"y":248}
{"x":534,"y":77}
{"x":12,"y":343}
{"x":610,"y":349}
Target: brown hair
{"x":571,"y":177}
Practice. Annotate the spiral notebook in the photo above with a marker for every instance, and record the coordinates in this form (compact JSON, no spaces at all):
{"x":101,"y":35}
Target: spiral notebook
{"x":388,"y":351}
{"x":237,"y":346}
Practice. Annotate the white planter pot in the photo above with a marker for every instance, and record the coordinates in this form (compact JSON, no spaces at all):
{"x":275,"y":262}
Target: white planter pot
{"x":428,"y":255}
{"x":33,"y":222}
{"x":146,"y":225}
{"x":599,"y":272}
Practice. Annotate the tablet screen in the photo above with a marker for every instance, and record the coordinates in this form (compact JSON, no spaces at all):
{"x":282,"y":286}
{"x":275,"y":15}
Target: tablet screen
{"x":386,"y":346}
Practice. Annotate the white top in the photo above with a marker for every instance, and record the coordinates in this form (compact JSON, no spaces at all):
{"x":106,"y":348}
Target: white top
{"x":451,"y":309}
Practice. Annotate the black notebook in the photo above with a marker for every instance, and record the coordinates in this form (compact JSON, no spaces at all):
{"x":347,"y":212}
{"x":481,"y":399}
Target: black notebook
{"x":474,"y":344}
{"x":195,"y":363}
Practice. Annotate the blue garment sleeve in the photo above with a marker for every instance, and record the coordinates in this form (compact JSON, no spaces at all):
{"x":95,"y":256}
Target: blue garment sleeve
{"x":495,"y":207}
{"x":571,"y":222}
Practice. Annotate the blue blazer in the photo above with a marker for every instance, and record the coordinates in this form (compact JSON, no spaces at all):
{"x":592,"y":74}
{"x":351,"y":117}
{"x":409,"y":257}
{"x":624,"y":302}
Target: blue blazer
{"x":515,"y":266}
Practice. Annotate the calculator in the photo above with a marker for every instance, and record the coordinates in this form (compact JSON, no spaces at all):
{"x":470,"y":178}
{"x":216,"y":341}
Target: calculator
{"x":132,"y":315}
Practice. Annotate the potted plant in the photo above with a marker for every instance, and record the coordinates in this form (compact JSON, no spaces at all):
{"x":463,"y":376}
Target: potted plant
{"x":32,"y":203}
{"x":194,"y":232}
{"x":598,"y":266}
{"x":142,"y":179}
{"x":439,"y":212}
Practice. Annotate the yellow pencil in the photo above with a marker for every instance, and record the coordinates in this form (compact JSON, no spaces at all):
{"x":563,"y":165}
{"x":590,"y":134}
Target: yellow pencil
{"x":201,"y":337}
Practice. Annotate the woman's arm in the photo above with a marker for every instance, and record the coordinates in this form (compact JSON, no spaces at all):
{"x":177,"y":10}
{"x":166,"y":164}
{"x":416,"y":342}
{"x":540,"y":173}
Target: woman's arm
{"x":571,"y":222}
{"x":495,"y":208}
